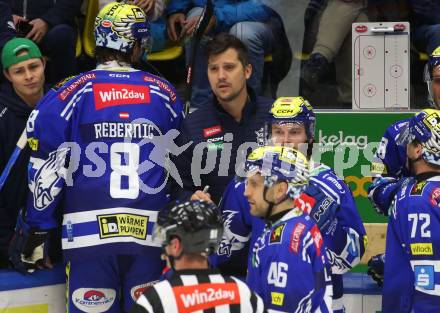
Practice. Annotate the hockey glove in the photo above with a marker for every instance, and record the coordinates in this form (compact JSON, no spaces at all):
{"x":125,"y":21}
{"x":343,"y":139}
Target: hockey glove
{"x":27,"y":250}
{"x":382,"y":192}
{"x":376,"y":267}
{"x":321,"y":208}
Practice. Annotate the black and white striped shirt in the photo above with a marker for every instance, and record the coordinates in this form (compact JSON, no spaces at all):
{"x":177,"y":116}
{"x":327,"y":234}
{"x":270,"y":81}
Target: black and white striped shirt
{"x":199,"y":291}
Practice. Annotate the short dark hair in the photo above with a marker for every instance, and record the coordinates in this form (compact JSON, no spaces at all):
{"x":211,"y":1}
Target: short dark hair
{"x":103,"y":55}
{"x":223,"y":42}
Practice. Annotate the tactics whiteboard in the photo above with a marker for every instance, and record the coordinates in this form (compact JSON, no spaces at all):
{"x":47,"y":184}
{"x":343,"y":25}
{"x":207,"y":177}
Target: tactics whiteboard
{"x":380,"y":66}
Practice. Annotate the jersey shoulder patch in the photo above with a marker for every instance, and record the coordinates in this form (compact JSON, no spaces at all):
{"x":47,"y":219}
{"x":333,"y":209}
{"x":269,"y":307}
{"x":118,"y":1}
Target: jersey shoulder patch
{"x":72,"y":84}
{"x":434,"y":196}
{"x":62,"y":82}
{"x":162,"y":85}
{"x":418,"y":188}
{"x":276,"y":235}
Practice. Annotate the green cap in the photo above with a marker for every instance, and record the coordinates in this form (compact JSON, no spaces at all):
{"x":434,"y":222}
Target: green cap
{"x":14,"y":46}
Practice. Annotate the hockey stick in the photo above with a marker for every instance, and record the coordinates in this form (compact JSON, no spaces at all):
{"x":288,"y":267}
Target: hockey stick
{"x":202,"y":23}
{"x":21,"y":143}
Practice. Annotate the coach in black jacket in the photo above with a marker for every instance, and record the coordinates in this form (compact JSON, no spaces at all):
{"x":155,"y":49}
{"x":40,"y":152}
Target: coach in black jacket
{"x":218,"y":128}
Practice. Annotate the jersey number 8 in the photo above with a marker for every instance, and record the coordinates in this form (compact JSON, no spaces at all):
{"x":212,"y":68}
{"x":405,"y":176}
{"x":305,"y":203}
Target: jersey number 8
{"x":124,"y":162}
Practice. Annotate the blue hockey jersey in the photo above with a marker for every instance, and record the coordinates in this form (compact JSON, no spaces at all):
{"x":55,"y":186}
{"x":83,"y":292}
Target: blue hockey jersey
{"x":344,"y":240}
{"x":388,"y":167}
{"x":99,"y":143}
{"x":412,"y":267}
{"x":390,"y":158}
{"x":287,"y":266}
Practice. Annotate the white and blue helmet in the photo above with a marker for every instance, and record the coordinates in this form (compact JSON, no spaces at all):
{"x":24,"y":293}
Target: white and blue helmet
{"x":425,"y":128}
{"x":280,"y":163}
{"x":119,"y":26}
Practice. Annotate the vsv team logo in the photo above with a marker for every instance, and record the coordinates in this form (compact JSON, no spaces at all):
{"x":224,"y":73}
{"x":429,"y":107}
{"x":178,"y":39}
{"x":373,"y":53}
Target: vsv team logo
{"x":93,"y":300}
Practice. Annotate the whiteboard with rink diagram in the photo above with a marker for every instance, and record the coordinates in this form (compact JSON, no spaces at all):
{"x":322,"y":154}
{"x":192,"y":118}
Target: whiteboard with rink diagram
{"x":380,"y":66}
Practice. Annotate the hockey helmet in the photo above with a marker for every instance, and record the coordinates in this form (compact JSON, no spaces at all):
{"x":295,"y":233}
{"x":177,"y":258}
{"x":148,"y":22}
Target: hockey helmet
{"x":292,"y":110}
{"x":428,"y":77}
{"x":119,"y":26}
{"x":198,"y":225}
{"x":279,"y":163}
{"x":425,"y":128}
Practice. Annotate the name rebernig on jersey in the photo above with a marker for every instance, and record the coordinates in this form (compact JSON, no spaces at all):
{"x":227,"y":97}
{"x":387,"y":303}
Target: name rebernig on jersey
{"x":124,"y":130}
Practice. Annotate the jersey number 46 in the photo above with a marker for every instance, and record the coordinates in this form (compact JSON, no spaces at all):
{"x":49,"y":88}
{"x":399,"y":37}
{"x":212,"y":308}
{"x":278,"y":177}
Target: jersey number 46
{"x":277,"y":274}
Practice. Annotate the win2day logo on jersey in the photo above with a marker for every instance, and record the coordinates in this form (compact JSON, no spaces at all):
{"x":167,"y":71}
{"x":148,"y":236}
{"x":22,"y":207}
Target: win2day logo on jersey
{"x":108,"y":95}
{"x":123,"y":225}
{"x":205,"y":296}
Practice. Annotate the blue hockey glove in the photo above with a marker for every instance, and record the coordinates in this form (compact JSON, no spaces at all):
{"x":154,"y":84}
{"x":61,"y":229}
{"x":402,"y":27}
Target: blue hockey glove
{"x":382,"y":191}
{"x":320,"y":207}
{"x":27,"y":250}
{"x":376,"y":267}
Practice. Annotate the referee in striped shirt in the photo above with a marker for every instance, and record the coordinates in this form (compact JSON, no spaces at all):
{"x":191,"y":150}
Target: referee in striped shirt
{"x":189,"y":232}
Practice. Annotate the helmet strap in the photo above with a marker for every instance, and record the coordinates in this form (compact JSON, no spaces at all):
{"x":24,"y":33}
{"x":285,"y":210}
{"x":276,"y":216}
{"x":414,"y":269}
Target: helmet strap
{"x":271,"y":204}
{"x":310,"y":148}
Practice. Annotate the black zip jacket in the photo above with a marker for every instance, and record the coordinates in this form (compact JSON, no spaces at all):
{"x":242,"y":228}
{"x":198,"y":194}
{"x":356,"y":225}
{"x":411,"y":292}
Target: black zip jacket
{"x":14,"y":113}
{"x":53,"y":12}
{"x":208,"y":125}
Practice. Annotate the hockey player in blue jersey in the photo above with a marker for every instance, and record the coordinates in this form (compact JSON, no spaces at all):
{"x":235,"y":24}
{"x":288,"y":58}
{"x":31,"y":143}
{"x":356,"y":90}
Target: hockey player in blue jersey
{"x":328,"y":200}
{"x":287,"y":264}
{"x":389,"y":166}
{"x":412,"y":267}
{"x":98,"y":160}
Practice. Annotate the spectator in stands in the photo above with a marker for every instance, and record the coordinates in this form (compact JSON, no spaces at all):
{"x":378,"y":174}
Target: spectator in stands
{"x":333,"y":44}
{"x":154,"y":10}
{"x":255,"y":24}
{"x":235,"y":116}
{"x":425,"y":21}
{"x":23,"y":67}
{"x":50,"y":24}
{"x":7,"y":28}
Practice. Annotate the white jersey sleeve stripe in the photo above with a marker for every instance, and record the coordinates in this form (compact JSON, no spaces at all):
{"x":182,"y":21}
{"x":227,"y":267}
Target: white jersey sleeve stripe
{"x":327,"y":190}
